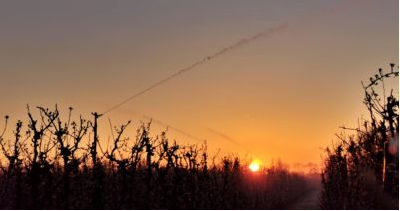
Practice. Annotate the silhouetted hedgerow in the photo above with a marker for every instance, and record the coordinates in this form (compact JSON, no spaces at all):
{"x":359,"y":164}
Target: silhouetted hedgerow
{"x":59,"y":164}
{"x":362,"y":170}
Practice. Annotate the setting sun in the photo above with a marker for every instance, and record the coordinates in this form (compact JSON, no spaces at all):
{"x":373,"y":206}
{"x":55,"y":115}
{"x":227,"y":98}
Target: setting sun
{"x":254,"y":166}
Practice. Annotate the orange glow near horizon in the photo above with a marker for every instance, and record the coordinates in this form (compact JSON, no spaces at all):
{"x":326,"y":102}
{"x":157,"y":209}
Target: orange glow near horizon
{"x":280,"y":97}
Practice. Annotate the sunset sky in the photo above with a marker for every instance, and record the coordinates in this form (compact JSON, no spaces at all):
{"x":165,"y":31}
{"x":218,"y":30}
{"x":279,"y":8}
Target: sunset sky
{"x":283,"y":96}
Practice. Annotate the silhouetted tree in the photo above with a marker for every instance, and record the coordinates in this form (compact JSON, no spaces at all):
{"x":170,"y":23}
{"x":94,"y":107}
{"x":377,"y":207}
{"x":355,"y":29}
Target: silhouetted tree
{"x":50,"y":166}
{"x":361,"y":172}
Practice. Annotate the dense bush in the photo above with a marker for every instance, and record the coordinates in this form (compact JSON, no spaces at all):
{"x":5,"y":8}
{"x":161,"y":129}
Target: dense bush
{"x":362,"y":170}
{"x":54,"y":164}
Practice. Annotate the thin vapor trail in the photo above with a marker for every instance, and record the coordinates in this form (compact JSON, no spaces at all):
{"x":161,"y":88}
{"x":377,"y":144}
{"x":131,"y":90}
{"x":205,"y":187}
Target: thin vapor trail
{"x":167,"y":125}
{"x":227,"y":138}
{"x":173,"y":128}
{"x":202,"y":61}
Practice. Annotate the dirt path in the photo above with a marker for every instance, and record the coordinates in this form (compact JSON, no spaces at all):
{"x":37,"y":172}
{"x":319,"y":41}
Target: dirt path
{"x":308,"y":202}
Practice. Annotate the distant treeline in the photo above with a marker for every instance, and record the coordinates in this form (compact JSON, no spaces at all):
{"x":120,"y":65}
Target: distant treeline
{"x":54,"y":163}
{"x":362,"y":169}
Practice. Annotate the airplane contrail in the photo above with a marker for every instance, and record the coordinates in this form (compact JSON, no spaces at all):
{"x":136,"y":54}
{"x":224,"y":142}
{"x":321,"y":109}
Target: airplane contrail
{"x":226,"y":137}
{"x":222,"y":51}
{"x":167,"y":125}
{"x":174,"y":128}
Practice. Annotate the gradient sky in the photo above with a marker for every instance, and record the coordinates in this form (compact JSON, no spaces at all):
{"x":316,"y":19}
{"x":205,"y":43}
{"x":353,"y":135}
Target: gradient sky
{"x":283,"y":96}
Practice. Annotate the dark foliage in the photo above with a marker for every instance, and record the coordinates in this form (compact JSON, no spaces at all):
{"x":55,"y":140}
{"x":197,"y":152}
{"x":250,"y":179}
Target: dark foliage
{"x":362,"y":170}
{"x":52,"y":166}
